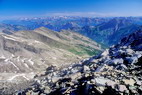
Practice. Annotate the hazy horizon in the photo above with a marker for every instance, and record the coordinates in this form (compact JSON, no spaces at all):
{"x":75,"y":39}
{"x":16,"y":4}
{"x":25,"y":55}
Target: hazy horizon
{"x":11,"y":9}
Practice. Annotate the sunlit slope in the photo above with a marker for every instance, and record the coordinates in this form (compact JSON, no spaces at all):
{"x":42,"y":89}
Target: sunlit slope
{"x":27,"y":51}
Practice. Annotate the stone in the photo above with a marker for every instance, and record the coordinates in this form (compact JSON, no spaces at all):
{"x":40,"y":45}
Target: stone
{"x":55,"y":79}
{"x":140,"y":89}
{"x":129,"y":82}
{"x":74,"y":71}
{"x":87,"y":75}
{"x":101,"y":89}
{"x":100,"y":68}
{"x":138,"y":82}
{"x":129,"y":51}
{"x":117,"y":61}
{"x":35,"y":93}
{"x":138,"y":54}
{"x":94,"y":61}
{"x":105,"y":53}
{"x":133,"y":90}
{"x":75,"y":76}
{"x":43,"y":94}
{"x":93,"y":81}
{"x":101,"y":81}
{"x":112,"y":84}
{"x":27,"y":93}
{"x":132,"y":60}
{"x":86,"y":68}
{"x":122,"y":88}
{"x":47,"y":90}
{"x":124,"y":66}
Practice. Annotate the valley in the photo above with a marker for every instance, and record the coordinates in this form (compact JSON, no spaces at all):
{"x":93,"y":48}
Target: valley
{"x":102,"y":30}
{"x":28,"y":52}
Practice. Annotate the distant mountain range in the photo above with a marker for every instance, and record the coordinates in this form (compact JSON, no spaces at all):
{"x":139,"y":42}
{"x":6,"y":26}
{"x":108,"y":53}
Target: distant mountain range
{"x":110,"y":32}
{"x":56,"y":23}
{"x":107,"y":31}
{"x":10,"y":29}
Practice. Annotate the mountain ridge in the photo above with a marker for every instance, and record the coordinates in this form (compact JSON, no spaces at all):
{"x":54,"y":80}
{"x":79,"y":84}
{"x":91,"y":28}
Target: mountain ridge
{"x":101,"y":30}
{"x":26,"y":53}
{"x":116,"y":71}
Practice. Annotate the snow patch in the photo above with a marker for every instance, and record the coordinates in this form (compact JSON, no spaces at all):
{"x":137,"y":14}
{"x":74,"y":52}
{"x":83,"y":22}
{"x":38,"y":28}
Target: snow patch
{"x":22,"y":75}
{"x":31,"y":62}
{"x":18,"y":58}
{"x":25,"y":77}
{"x":9,"y":38}
{"x":26,"y":65}
{"x":2,"y":57}
{"x":23,"y":60}
{"x":6,"y":60}
{"x":13,"y":77}
{"x":13,"y":55}
{"x":37,"y":41}
{"x":14,"y":65}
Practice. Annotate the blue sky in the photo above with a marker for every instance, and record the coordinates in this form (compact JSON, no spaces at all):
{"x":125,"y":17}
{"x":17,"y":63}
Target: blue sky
{"x":31,"y":8}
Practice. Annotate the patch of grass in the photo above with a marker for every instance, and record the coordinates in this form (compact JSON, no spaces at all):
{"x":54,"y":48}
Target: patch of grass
{"x":89,"y":50}
{"x":77,"y":52}
{"x":84,"y":50}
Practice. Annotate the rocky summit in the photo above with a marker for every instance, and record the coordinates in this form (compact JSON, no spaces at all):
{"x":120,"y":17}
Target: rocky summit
{"x":116,"y":71}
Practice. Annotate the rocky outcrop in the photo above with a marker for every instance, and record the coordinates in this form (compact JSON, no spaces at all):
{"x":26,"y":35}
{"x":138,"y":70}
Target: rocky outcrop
{"x":117,"y":71}
{"x":134,"y":40}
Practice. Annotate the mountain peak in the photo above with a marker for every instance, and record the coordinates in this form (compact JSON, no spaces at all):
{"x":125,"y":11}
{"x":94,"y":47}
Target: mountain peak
{"x":133,"y":40}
